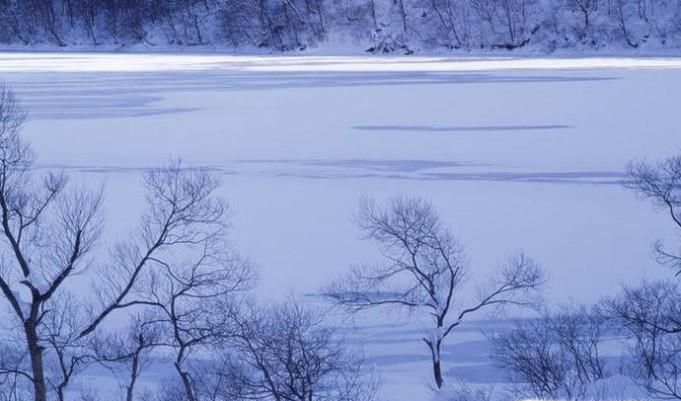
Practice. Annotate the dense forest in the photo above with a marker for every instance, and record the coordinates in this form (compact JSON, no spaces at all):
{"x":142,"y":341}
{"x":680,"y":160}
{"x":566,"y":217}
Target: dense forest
{"x":384,"y":26}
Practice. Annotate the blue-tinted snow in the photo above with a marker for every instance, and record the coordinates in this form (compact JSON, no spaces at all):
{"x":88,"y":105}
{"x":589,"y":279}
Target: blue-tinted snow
{"x":527,"y":157}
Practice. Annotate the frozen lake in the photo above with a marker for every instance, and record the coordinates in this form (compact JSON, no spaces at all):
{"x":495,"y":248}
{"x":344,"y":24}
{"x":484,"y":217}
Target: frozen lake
{"x":518,"y":154}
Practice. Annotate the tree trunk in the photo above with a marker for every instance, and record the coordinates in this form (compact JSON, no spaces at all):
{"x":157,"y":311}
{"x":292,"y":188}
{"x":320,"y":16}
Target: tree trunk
{"x":403,"y":16}
{"x":186,"y":382}
{"x":437,"y":367}
{"x":435,"y":345}
{"x":130,"y":390}
{"x":372,"y":8}
{"x":37,"y":365}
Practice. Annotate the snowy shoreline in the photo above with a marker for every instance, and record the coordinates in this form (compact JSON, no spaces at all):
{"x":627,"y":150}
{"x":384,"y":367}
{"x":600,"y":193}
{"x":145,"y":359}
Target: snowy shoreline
{"x":86,"y":61}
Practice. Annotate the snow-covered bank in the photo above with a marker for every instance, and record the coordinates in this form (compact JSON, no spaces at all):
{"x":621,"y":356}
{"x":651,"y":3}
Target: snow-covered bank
{"x":36,"y":62}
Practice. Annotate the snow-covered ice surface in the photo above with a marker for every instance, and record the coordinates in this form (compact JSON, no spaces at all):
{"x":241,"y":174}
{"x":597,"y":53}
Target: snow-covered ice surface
{"x":518,"y":154}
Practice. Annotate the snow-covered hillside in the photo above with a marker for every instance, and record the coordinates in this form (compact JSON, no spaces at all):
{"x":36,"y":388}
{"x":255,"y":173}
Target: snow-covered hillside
{"x":396,"y":26}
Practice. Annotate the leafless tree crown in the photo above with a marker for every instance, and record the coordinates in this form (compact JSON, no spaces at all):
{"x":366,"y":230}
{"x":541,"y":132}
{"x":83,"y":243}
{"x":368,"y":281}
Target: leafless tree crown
{"x":425,"y":270}
{"x":660,"y":183}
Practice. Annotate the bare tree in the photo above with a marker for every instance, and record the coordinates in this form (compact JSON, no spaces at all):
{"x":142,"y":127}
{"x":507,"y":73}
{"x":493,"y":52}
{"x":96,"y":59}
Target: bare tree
{"x":461,"y":391}
{"x":46,"y":16}
{"x":403,"y":14}
{"x":49,"y":231}
{"x":453,"y":17}
{"x":511,"y":22}
{"x":286,"y":353}
{"x":184,"y":295}
{"x":651,"y":315}
{"x":13,"y":374}
{"x":530,"y":354}
{"x":623,"y":17}
{"x":131,"y":348}
{"x":587,"y":9}
{"x":183,"y":217}
{"x":69,"y":354}
{"x":660,"y":183}
{"x":555,"y":356}
{"x":580,"y":333}
{"x":425,"y":270}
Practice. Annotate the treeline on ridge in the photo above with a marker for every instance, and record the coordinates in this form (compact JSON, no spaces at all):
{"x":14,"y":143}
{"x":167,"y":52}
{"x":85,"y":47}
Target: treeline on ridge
{"x":382,"y":26}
